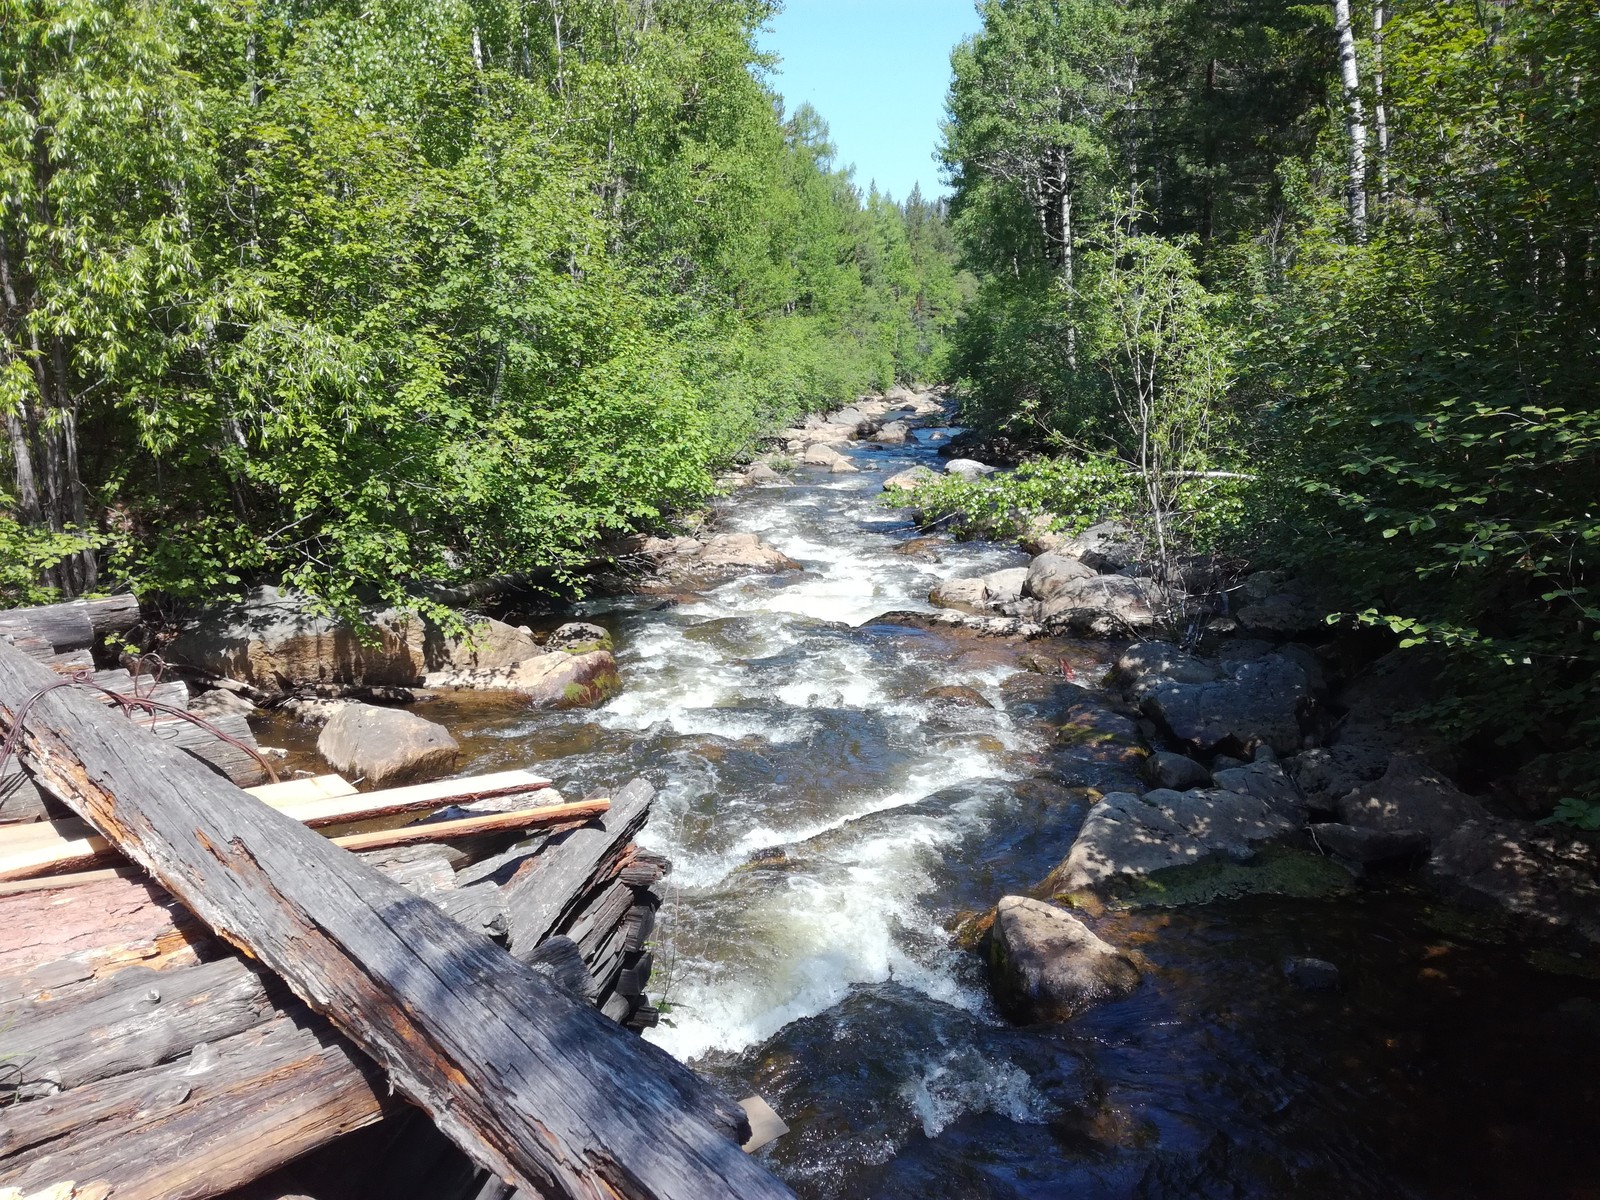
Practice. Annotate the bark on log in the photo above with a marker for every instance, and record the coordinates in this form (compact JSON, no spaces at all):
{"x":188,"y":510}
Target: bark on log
{"x":74,"y":625}
{"x":529,"y":1082}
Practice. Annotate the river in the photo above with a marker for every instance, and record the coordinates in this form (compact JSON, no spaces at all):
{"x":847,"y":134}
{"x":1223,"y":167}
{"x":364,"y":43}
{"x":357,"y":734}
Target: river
{"x":833,"y":820}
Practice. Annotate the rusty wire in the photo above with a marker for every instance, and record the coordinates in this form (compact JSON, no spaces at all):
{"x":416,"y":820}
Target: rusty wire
{"x":128,"y":705}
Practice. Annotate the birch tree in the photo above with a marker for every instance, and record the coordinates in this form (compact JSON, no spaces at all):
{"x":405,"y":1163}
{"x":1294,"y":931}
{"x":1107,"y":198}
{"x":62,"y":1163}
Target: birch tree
{"x":1355,"y":121}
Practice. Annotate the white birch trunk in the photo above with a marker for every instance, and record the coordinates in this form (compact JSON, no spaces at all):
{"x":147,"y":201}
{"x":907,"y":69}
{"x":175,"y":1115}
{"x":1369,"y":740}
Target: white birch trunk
{"x":1355,"y":121}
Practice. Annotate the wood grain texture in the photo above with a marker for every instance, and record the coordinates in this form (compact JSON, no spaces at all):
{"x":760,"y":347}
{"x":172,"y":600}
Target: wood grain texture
{"x":532,"y":1084}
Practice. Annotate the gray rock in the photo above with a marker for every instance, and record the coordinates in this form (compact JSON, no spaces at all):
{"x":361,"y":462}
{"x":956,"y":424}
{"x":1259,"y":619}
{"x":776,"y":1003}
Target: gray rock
{"x":1108,"y":547}
{"x":691,"y":562}
{"x":1163,"y":769}
{"x":1144,"y":665}
{"x":1411,"y":795}
{"x":1226,"y":762}
{"x":968,"y":468}
{"x":1311,"y":974}
{"x":762,"y":473}
{"x":1104,"y":606}
{"x":1137,"y":836}
{"x":1050,"y":574}
{"x":909,"y":480}
{"x":1039,"y":538}
{"x":1285,"y":615}
{"x":1265,"y":779}
{"x":576,"y":634}
{"x":964,"y":594}
{"x":1546,"y":873}
{"x":386,"y":746}
{"x":1261,"y":702}
{"x":1357,"y":844}
{"x":981,"y":593}
{"x":892,"y":434}
{"x":277,"y":642}
{"x":556,"y":680}
{"x":1046,"y":965}
{"x":820,"y":454}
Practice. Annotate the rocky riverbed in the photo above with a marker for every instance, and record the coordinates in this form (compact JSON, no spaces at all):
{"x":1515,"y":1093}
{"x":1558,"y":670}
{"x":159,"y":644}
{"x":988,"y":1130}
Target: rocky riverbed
{"x":992,"y":893}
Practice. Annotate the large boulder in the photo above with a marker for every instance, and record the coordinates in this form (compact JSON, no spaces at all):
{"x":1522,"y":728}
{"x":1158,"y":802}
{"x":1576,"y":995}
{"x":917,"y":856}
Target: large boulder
{"x":1548,"y":874}
{"x":909,"y":480}
{"x":1046,"y":965}
{"x":278,"y":642}
{"x":1108,"y":547}
{"x":1146,"y":665}
{"x":690,"y":562}
{"x":1050,"y":574}
{"x":969,"y":469}
{"x":578,"y":637}
{"x":386,"y":746}
{"x":981,"y":593}
{"x":552,"y":680}
{"x":1411,"y":795}
{"x":1128,"y":837}
{"x":1261,"y":703}
{"x":820,"y":454}
{"x":1103,"y":606}
{"x":1285,"y":615}
{"x":1176,"y":772}
{"x":892,"y":434}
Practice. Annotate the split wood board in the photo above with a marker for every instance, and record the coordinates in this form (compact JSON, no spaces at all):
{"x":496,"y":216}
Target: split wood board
{"x":51,"y":847}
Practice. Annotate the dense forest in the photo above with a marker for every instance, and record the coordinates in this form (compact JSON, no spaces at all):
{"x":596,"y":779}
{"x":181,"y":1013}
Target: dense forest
{"x":1316,"y":284}
{"x":357,"y":296}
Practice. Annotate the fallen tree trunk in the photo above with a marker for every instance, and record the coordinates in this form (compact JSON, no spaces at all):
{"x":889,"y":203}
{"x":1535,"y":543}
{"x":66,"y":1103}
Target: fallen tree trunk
{"x":74,"y":625}
{"x":531,"y":1083}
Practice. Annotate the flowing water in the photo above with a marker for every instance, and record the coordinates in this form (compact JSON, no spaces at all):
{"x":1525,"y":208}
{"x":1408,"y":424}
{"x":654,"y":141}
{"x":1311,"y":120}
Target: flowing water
{"x":832,"y":823}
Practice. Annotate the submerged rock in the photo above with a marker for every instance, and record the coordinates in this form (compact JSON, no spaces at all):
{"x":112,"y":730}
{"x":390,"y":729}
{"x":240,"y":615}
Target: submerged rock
{"x":386,"y":746}
{"x":1546,"y":873}
{"x":1046,"y":965}
{"x":1311,"y":974}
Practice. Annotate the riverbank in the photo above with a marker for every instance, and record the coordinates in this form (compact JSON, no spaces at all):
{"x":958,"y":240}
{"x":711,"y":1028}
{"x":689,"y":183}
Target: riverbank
{"x":850,"y":781}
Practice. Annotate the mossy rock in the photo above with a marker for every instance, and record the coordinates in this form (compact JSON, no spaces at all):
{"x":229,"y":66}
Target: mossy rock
{"x":1274,"y":871}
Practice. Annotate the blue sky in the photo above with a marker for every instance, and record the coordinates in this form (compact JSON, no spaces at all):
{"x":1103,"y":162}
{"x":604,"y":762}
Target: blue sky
{"x":877,"y":71}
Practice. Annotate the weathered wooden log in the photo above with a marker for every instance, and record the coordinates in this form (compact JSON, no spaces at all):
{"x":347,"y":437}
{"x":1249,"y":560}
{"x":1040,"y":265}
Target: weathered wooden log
{"x":137,"y":1019}
{"x":545,"y":890}
{"x":73,"y":625}
{"x":529,"y":1082}
{"x":225,"y":1114}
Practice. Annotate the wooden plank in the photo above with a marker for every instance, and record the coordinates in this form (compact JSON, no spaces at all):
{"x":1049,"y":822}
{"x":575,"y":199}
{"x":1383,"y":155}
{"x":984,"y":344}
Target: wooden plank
{"x":53,"y":847}
{"x":528,"y":1081}
{"x":467,"y":827}
{"x":419,"y":797}
{"x":304,"y":791}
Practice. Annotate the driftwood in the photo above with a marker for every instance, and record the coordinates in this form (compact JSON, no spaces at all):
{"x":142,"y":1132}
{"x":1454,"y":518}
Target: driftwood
{"x":71,"y":626}
{"x":532,"y":1084}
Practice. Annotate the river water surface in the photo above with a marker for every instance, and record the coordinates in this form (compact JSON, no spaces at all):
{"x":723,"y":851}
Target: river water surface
{"x":832,"y":824}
